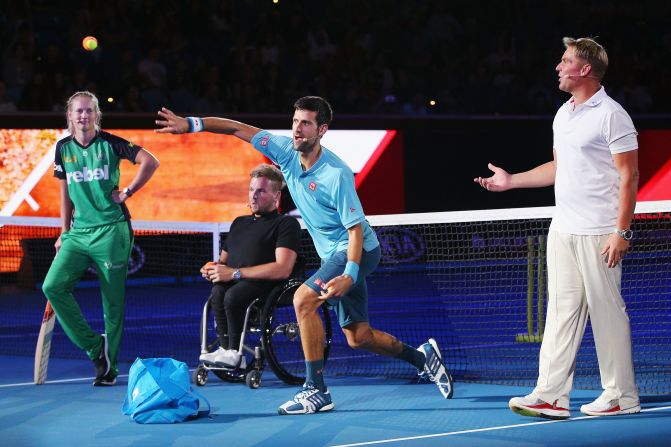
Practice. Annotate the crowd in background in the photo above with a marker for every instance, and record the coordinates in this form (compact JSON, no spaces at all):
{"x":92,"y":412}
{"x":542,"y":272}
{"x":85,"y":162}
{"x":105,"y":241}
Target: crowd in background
{"x":367,"y":57}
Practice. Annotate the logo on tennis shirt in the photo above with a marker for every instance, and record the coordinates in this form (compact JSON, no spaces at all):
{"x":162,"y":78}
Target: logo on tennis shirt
{"x":264,"y":141}
{"x":312,"y":186}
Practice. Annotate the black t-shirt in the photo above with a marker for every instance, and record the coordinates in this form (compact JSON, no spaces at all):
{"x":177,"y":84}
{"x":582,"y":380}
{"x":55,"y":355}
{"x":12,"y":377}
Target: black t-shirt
{"x":253,"y":240}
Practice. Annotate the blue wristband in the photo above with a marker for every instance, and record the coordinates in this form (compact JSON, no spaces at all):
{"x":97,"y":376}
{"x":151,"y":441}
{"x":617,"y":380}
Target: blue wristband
{"x":195,"y":124}
{"x":352,"y":269}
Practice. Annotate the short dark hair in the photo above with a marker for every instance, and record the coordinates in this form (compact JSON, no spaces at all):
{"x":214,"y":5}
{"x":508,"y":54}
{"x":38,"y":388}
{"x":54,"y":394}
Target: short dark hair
{"x":316,"y":104}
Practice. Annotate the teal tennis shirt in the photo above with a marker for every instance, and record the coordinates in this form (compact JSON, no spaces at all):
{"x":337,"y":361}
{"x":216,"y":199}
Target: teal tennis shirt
{"x":324,"y":194}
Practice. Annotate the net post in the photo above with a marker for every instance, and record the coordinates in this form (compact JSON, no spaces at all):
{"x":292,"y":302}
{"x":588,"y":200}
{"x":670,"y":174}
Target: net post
{"x":542,"y":288}
{"x":216,"y":241}
{"x":530,"y":285}
{"x":528,"y":337}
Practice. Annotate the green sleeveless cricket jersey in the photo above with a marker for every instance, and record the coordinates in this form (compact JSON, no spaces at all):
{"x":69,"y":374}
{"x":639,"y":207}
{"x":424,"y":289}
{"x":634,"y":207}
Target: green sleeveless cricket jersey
{"x":92,"y":173}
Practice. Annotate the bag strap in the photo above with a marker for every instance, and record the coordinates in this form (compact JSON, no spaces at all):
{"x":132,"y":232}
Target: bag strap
{"x":203,"y":399}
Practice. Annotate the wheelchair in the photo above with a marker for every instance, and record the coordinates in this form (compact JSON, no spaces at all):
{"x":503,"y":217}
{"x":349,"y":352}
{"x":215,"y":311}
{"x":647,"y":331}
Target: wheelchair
{"x":270,"y":334}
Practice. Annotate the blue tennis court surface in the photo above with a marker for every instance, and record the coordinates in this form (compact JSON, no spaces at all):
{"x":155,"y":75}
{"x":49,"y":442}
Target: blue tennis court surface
{"x":472,"y":290}
{"x":69,"y":411}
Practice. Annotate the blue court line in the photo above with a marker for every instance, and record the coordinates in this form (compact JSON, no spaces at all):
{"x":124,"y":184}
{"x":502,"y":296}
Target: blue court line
{"x":486,"y":429}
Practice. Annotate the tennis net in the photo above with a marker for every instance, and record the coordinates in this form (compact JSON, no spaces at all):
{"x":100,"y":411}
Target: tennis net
{"x":475,"y":281}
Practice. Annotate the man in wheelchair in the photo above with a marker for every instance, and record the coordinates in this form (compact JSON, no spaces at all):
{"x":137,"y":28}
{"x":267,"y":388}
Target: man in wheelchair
{"x":259,"y":252}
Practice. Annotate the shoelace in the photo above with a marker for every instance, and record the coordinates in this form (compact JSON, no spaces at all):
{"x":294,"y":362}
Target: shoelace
{"x":306,"y":392}
{"x":424,"y":375}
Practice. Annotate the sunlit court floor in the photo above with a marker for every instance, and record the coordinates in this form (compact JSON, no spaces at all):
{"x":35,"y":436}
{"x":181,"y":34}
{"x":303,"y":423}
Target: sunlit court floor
{"x":68,"y":410}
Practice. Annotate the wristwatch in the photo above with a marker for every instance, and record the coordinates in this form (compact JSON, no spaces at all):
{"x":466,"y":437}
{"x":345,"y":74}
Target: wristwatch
{"x":237,"y":274}
{"x":127,"y":191}
{"x":624,"y":234}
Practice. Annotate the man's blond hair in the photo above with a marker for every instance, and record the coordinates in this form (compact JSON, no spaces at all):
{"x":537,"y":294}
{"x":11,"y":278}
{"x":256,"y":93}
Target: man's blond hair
{"x":591,"y":51}
{"x":271,"y":173}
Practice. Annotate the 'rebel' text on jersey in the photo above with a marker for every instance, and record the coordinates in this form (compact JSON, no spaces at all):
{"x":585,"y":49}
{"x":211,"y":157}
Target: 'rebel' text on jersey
{"x":88,"y":175}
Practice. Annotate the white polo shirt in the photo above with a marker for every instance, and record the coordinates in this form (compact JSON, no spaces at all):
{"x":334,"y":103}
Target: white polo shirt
{"x":587,"y":184}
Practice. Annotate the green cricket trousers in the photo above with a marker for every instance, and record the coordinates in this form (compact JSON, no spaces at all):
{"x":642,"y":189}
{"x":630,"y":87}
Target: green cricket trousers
{"x":108,"y":248}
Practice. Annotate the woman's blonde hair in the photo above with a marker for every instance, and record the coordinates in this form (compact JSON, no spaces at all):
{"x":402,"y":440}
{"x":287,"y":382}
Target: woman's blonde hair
{"x":94,"y":100}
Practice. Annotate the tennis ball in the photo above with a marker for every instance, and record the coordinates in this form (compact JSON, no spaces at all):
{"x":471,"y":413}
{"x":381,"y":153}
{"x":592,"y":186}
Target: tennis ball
{"x":209,"y":264}
{"x":90,"y":43}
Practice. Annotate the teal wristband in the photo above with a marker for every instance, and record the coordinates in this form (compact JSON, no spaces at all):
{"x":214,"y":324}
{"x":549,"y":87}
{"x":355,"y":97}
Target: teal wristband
{"x":352,"y":269}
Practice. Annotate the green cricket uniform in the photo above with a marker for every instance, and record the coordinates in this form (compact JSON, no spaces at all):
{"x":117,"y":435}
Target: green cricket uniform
{"x":100,"y":235}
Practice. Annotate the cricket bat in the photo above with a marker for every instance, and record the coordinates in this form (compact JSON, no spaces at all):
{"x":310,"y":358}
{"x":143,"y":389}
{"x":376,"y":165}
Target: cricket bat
{"x":44,"y":344}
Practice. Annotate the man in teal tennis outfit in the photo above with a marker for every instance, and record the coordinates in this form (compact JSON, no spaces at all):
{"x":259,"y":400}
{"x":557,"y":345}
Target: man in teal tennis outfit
{"x":322,"y":187}
{"x":95,"y":229}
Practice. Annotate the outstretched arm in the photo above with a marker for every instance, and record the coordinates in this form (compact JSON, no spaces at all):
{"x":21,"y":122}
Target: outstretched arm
{"x":171,"y":123}
{"x":543,"y":175}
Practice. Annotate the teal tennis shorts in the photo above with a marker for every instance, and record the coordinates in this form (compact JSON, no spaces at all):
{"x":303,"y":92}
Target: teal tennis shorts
{"x":353,"y":306}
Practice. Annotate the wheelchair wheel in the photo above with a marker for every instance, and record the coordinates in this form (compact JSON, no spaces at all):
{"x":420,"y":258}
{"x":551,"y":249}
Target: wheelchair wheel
{"x":281,"y":336}
{"x":253,"y":379}
{"x":200,"y":376}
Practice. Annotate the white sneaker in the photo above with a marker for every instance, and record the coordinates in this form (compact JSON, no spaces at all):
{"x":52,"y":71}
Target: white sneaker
{"x":608,"y":408}
{"x":210,"y":357}
{"x":231,"y":359}
{"x":308,"y":400}
{"x":228,"y":358}
{"x":532,"y":406}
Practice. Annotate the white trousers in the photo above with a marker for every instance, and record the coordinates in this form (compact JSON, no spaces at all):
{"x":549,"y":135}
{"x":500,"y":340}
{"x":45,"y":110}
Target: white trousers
{"x":580,"y":284}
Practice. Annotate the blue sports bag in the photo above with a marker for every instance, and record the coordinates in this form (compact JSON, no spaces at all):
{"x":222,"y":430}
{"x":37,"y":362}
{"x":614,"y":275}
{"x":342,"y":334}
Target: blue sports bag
{"x":160,"y":392}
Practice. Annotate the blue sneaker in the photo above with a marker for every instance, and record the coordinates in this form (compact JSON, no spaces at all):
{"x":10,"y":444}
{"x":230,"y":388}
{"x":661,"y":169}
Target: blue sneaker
{"x":434,"y":368}
{"x":308,"y":400}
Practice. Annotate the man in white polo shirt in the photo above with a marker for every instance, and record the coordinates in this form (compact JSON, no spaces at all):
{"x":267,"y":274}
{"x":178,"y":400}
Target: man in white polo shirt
{"x":595,"y":173}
